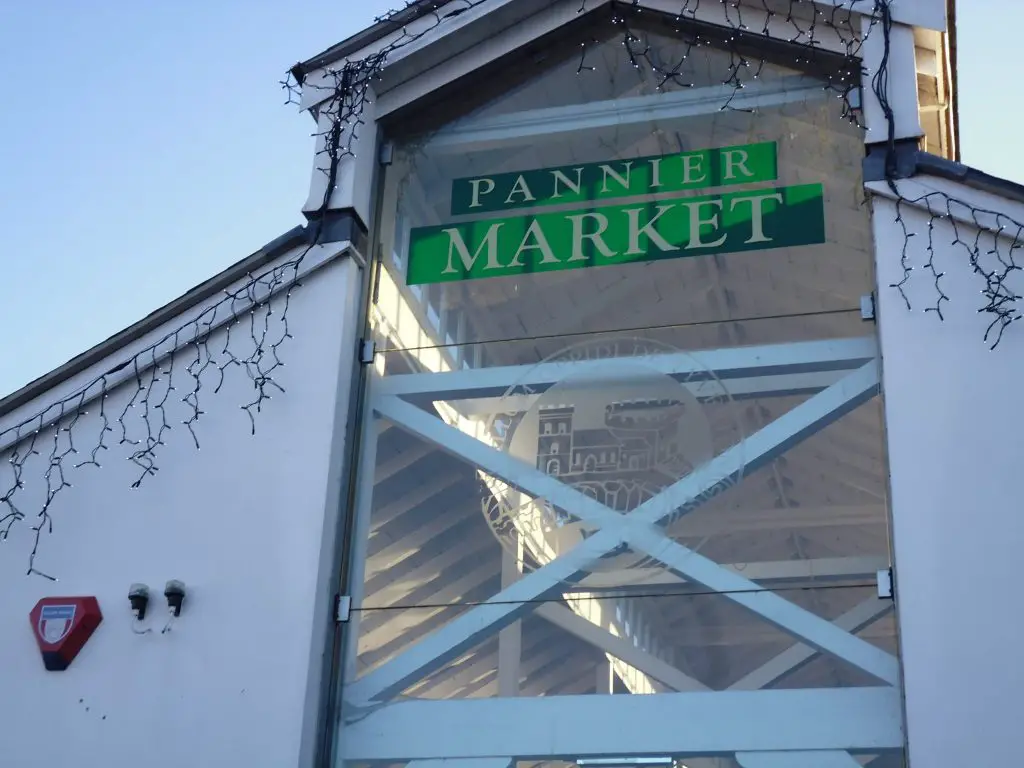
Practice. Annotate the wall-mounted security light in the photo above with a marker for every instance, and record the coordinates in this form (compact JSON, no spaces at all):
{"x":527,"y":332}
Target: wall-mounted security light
{"x":175,"y":594}
{"x":138,"y":595}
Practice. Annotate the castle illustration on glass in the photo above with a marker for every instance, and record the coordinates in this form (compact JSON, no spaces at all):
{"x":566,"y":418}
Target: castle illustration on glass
{"x":620,"y":463}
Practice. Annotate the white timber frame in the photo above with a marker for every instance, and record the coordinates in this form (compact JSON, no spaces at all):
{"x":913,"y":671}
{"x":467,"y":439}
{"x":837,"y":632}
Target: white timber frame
{"x":368,"y":713}
{"x":755,"y":725}
{"x":639,"y":529}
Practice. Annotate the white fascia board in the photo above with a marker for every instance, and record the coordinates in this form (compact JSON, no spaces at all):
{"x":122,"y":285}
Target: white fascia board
{"x":467,"y":60}
{"x":755,"y":18}
{"x":44,"y":409}
{"x":678,"y":724}
{"x":462,"y":59}
{"x":559,"y":14}
{"x":425,"y":32}
{"x":930,"y":14}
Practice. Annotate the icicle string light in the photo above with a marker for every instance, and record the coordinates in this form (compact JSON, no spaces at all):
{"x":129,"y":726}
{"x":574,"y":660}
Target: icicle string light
{"x":63,"y":441}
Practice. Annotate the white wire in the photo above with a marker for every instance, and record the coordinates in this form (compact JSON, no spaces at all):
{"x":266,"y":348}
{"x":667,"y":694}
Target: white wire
{"x":167,"y":626}
{"x":135,"y":620}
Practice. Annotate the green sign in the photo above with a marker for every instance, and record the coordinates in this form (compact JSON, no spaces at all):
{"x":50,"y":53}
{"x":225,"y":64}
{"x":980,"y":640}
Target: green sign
{"x":618,"y":234}
{"x":660,"y":174}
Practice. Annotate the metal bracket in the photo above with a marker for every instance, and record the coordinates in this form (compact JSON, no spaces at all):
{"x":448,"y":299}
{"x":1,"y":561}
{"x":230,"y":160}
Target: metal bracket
{"x":885,"y":587}
{"x":342,"y":608}
{"x":367,"y":350}
{"x":867,"y":307}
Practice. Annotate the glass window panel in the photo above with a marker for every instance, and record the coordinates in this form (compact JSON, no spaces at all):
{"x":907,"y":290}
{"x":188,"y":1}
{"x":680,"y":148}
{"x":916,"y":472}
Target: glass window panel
{"x":407,"y":345}
{"x":813,"y":143}
{"x":441,"y":530}
{"x":639,"y":641}
{"x":664,"y":366}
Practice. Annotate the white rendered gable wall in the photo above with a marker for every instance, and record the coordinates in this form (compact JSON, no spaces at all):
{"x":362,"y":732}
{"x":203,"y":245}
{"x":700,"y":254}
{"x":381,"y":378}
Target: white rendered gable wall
{"x":953,"y":425}
{"x":246,"y":523}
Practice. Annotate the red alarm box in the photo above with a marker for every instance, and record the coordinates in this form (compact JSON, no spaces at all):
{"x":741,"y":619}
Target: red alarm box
{"x":62,"y":626}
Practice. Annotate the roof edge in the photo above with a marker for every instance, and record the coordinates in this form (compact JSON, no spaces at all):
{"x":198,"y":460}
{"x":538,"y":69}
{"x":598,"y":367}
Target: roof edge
{"x":294,"y":237}
{"x":909,"y":161}
{"x":933,"y":165}
{"x":392,"y":22}
{"x":416,"y":9}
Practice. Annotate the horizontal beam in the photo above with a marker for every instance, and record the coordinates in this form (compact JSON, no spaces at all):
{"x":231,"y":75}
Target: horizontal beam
{"x":731,"y":521}
{"x":695,"y":368}
{"x":489,"y":762}
{"x":524,"y":127}
{"x":804,"y":759}
{"x":780,"y":385}
{"x":678,"y":724}
{"x":778,"y":571}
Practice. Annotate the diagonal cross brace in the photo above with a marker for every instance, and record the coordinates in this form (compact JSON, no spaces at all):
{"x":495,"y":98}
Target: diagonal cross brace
{"x":797,"y":655}
{"x":637,"y":529}
{"x":459,"y":635}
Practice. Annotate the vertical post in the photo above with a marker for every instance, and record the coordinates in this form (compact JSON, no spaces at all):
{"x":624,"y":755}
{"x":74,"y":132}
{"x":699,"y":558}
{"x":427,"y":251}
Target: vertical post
{"x":371,"y":429}
{"x":605,"y":676}
{"x":510,"y":639}
{"x":346,"y":128}
{"x":897,"y":50}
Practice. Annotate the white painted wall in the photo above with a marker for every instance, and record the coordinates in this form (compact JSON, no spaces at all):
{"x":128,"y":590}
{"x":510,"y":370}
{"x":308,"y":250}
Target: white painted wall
{"x":242,"y":523}
{"x":956,"y":455}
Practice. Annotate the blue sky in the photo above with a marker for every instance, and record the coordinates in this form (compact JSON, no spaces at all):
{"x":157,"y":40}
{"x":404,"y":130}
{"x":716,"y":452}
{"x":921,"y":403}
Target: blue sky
{"x":145,"y":146}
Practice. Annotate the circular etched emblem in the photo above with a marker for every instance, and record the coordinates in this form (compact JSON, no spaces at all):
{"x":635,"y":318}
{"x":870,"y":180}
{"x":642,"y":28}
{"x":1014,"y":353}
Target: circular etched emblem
{"x":630,"y":423}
